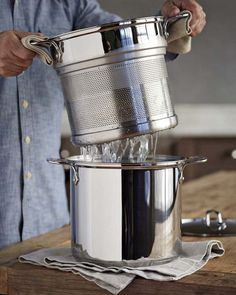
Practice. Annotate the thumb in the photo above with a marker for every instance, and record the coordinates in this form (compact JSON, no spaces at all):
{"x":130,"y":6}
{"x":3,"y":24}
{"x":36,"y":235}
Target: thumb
{"x":169,"y":9}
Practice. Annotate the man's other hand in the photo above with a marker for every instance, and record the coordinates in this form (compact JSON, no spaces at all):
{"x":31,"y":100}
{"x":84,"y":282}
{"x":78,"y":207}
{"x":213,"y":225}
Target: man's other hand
{"x":14,"y":57}
{"x":198,"y":22}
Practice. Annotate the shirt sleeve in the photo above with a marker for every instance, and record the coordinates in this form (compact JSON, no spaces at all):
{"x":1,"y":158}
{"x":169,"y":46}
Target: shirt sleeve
{"x":170,"y":56}
{"x":89,"y":13}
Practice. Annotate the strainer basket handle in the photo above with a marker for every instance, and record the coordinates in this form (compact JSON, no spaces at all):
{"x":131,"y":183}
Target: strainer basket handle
{"x":43,"y":47}
{"x":195,"y":160}
{"x":169,"y":21}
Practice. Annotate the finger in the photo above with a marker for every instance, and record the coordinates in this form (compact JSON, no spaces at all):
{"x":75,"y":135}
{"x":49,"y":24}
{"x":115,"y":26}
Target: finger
{"x":9,"y":74}
{"x":16,"y":69}
{"x":198,"y":20}
{"x":22,"y":53}
{"x":199,"y":25}
{"x":13,"y":73}
{"x":197,"y":15}
{"x":10,"y":70}
{"x":19,"y":50}
{"x":169,"y":9}
{"x":191,"y":5}
{"x":11,"y":66}
{"x":197,"y":28}
{"x":25,"y":63}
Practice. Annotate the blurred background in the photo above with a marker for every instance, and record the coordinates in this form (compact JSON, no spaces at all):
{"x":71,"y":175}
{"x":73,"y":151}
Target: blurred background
{"x":202,"y":85}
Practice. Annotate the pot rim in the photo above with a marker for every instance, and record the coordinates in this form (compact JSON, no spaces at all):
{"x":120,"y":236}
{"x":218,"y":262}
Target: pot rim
{"x":162,"y":161}
{"x":122,"y":24}
{"x":110,"y":26}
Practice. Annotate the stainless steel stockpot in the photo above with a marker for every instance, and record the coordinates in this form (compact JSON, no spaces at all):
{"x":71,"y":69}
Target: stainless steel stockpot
{"x":126,"y":210}
{"x":114,"y":79}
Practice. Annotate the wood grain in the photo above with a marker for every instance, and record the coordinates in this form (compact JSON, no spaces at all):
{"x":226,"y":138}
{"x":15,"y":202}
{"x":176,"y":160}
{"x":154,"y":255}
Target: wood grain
{"x":215,"y":191}
{"x":9,"y":255}
{"x":3,"y":280}
{"x":58,"y":237}
{"x":46,"y":282}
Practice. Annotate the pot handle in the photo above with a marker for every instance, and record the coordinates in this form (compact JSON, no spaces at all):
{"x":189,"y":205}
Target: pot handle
{"x":195,"y":160}
{"x":43,"y":47}
{"x":65,"y":162}
{"x":169,"y":21}
{"x":58,"y":161}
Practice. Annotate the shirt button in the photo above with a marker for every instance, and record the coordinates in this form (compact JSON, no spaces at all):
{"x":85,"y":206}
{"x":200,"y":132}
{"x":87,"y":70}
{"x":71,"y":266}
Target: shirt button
{"x":28,"y":175}
{"x":24,"y":104}
{"x":27,"y":140}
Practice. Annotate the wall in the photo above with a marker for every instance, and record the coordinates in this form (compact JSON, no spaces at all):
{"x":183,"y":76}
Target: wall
{"x":208,"y":73}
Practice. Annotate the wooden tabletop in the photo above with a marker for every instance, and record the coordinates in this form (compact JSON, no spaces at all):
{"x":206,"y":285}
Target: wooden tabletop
{"x":216,"y":191}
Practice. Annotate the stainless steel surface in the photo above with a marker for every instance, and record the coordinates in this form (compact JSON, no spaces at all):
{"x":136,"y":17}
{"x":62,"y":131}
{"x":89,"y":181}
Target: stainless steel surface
{"x":209,"y":226}
{"x":159,"y":162}
{"x":148,"y":32}
{"x":108,"y":39}
{"x":127,"y":213}
{"x":75,"y":174}
{"x":118,"y":100}
{"x":117,"y":87}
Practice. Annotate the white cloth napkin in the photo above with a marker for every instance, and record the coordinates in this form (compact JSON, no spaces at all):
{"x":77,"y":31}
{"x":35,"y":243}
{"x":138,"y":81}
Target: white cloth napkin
{"x":115,"y":277}
{"x":41,"y":46}
{"x":179,"y":40}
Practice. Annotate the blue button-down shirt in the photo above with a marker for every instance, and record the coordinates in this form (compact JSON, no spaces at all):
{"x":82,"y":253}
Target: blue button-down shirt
{"x":32,"y":192}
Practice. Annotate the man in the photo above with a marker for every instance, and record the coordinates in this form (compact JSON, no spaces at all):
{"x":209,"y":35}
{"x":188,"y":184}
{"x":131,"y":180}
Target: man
{"x":32,"y":193}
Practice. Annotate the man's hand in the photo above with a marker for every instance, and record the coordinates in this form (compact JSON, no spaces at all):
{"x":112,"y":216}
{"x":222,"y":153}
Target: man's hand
{"x":14,"y":57}
{"x":198,"y":22}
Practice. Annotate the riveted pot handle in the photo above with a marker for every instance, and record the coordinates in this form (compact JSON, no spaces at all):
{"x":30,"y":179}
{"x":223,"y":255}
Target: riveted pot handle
{"x":195,"y":160}
{"x":65,"y":162}
{"x":44,"y":47}
{"x":169,"y":21}
{"x":58,"y":161}
{"x":75,"y":170}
